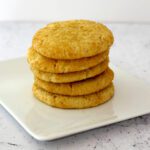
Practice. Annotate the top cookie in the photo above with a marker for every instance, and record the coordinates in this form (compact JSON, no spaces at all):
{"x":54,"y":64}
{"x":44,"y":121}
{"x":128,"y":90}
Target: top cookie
{"x":72,"y":39}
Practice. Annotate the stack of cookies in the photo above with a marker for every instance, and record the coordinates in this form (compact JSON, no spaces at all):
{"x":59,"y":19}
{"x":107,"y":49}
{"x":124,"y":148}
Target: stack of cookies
{"x":69,"y":60}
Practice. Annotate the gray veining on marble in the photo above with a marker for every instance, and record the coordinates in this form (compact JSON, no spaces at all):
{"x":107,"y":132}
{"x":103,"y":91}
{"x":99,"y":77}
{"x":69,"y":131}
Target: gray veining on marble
{"x":131,"y":51}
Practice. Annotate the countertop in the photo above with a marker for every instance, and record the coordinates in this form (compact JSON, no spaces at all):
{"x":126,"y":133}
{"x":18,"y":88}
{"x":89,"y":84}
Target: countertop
{"x":131,"y":51}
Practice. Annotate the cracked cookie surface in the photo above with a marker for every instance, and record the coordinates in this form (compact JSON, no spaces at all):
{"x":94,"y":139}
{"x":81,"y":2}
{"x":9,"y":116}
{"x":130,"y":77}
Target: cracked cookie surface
{"x":72,"y":39}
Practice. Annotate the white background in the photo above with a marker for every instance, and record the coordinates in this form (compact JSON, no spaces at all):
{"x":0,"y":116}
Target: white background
{"x":102,"y":10}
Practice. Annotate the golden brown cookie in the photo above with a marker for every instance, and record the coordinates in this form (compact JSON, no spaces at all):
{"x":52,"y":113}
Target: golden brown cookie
{"x":45,"y":64}
{"x":67,"y":102}
{"x":73,"y":76}
{"x":83,"y":87}
{"x":72,"y":39}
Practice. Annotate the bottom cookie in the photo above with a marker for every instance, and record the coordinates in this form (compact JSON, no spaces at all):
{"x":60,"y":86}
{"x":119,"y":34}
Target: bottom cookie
{"x":67,"y":102}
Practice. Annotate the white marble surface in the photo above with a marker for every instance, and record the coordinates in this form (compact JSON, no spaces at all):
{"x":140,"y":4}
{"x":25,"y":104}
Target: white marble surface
{"x":131,"y":51}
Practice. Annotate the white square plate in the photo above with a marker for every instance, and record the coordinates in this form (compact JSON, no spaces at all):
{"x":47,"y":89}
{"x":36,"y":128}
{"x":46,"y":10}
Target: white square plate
{"x":132,"y":98}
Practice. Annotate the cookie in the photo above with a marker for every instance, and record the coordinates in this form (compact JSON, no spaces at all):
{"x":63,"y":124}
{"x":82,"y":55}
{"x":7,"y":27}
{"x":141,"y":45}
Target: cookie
{"x":72,"y":39}
{"x":45,"y":64}
{"x":84,"y":87}
{"x":73,"y":76}
{"x":67,"y":102}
